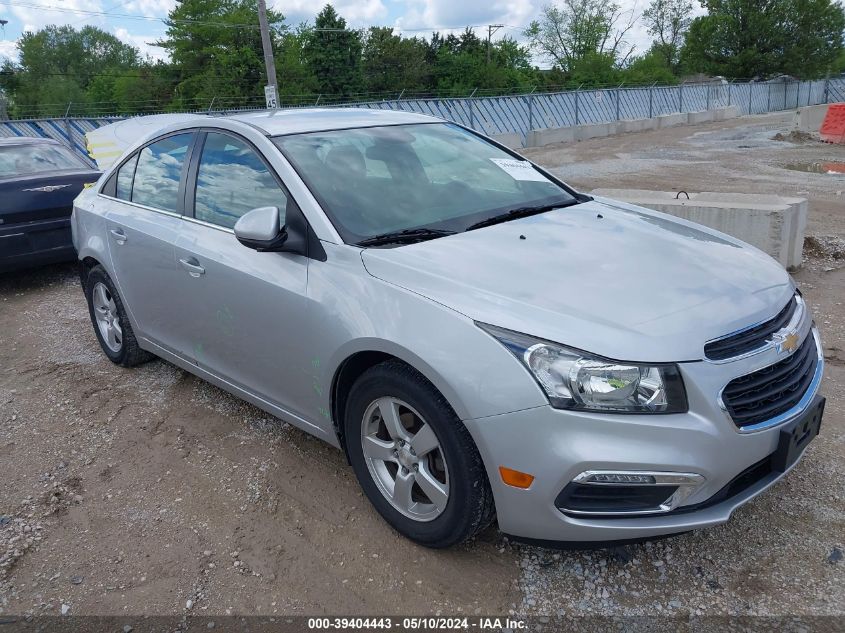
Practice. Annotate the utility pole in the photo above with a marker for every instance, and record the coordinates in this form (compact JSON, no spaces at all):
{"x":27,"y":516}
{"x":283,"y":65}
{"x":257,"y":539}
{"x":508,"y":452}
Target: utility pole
{"x":270,"y":92}
{"x":491,"y":28}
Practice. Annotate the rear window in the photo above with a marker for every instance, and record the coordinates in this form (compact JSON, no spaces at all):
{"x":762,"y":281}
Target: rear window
{"x":23,"y":160}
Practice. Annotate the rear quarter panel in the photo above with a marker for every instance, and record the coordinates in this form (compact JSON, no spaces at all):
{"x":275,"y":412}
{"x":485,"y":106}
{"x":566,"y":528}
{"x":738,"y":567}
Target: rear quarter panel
{"x":88,"y":228}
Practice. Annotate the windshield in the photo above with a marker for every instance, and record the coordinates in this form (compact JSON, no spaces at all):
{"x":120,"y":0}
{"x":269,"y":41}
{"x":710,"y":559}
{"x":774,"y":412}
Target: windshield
{"x":36,"y":158}
{"x":378,"y":180}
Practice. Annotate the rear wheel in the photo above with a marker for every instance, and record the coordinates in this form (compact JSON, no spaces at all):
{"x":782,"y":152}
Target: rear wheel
{"x":111,"y":325}
{"x":414,"y":458}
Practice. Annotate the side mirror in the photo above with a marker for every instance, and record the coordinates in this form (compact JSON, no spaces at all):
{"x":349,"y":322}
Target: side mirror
{"x":261,"y":229}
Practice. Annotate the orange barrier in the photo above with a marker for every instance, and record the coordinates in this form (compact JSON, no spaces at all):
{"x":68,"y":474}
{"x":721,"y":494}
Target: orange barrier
{"x":833,"y":126}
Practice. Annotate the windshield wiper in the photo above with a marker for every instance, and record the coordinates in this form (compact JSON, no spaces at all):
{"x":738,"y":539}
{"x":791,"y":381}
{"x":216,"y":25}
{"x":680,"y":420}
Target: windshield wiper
{"x":405,"y":236}
{"x":519,"y":212}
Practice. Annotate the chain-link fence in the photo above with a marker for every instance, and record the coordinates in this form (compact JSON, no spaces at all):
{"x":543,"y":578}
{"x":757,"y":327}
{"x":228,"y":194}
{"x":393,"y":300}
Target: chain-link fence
{"x":520,"y":113}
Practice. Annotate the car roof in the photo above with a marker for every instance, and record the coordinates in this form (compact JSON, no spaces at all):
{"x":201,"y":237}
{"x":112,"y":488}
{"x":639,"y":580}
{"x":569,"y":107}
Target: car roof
{"x":27,"y":140}
{"x":299,"y":120}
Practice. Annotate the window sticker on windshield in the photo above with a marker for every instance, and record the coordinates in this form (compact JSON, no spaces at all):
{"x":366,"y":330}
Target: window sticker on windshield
{"x":520,"y":169}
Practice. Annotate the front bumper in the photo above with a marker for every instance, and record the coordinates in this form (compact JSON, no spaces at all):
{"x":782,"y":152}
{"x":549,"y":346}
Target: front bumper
{"x":557,"y":446}
{"x":35,"y":243}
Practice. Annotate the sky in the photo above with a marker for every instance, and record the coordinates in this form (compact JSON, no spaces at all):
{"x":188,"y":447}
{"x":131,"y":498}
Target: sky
{"x":137,"y":22}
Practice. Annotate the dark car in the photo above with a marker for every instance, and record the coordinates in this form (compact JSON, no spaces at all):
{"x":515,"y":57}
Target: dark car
{"x":39,"y":178}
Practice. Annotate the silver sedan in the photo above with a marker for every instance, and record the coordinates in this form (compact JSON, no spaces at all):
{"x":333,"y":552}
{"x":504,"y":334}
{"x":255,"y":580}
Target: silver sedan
{"x":479,"y":338}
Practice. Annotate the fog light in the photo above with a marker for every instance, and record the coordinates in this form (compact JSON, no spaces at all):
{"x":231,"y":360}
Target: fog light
{"x":619,"y":493}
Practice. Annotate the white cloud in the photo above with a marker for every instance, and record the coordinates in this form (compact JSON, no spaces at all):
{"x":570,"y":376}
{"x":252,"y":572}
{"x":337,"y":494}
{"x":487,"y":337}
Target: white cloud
{"x":30,"y":18}
{"x":142,"y":43}
{"x":8,"y":50}
{"x":357,"y":13}
{"x":149,"y":8}
{"x":452,"y":14}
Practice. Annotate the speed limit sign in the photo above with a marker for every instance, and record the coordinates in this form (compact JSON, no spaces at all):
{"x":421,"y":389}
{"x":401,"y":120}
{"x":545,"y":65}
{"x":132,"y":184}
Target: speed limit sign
{"x":270,"y":97}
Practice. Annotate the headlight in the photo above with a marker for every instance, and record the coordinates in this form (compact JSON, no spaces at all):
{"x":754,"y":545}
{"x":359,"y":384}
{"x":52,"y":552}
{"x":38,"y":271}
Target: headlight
{"x":573,"y":379}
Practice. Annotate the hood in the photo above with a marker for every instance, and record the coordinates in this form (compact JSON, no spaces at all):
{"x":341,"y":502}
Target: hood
{"x":605,"y":277}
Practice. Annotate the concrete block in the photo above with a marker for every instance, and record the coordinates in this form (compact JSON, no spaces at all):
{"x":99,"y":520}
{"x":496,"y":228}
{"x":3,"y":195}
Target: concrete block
{"x":774,"y":224}
{"x":635,"y":125}
{"x":509,"y":139}
{"x":547,"y":136}
{"x":809,"y":119}
{"x":723,"y":114}
{"x":705,"y":116}
{"x":671,"y":120}
{"x":594,"y":130}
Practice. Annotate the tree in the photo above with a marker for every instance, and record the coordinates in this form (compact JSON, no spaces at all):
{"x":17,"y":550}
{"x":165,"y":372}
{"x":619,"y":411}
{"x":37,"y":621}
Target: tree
{"x":762,"y":38}
{"x":667,"y":21}
{"x":391,"y":62}
{"x":61,"y":65}
{"x":297,"y":81}
{"x":216,"y":47}
{"x":333,"y":53}
{"x":582,"y":31}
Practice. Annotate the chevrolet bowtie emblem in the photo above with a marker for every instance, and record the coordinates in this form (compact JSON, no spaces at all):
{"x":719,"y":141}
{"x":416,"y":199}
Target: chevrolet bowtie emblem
{"x":47,"y":188}
{"x":787,"y":343}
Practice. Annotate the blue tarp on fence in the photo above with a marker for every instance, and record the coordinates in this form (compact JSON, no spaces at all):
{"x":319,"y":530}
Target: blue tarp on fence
{"x":522,"y":113}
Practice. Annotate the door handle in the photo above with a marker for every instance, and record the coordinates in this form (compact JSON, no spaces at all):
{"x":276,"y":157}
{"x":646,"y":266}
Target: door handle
{"x":118,"y":235}
{"x":192,"y":266}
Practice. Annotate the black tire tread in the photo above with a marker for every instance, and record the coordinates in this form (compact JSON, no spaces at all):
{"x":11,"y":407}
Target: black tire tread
{"x":483,"y":512}
{"x":131,"y":353}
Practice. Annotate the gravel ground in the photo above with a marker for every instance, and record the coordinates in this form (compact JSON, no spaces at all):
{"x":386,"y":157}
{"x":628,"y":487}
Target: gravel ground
{"x":150,"y":491}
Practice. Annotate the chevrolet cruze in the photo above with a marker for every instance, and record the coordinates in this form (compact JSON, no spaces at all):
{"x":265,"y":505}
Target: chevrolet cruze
{"x":483,"y":341}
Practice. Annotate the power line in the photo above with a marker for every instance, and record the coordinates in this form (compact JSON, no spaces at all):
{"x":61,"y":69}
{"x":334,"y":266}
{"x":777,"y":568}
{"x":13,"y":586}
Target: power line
{"x":148,"y":18}
{"x":126,"y":16}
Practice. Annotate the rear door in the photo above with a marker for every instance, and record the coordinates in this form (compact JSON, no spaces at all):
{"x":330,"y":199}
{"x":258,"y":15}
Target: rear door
{"x":143,"y":221}
{"x":246,"y":310}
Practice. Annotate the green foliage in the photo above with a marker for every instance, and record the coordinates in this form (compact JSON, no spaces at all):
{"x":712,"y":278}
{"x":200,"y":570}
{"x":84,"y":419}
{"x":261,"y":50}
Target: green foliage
{"x":60,"y":66}
{"x":667,"y":21}
{"x":651,"y":68}
{"x":763,"y":38}
{"x":582,"y":34}
{"x":216,"y":56}
{"x":333,"y":52}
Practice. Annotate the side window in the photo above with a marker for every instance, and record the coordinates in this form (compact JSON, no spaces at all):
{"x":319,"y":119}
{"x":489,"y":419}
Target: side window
{"x":158,"y":172}
{"x":124,"y":179}
{"x":232,"y":180}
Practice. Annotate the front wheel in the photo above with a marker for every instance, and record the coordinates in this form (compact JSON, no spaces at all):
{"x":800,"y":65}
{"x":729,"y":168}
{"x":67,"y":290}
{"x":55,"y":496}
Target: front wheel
{"x":414,"y":458}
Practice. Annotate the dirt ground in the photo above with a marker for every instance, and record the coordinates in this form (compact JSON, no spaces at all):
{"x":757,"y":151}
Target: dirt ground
{"x":148,"y":491}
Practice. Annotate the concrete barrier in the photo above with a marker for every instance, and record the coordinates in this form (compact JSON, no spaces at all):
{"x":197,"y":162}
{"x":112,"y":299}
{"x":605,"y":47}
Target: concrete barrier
{"x":694,"y":118}
{"x":635,"y":125}
{"x":723,"y":114}
{"x":547,"y":136}
{"x":509,"y":139}
{"x":809,"y":119}
{"x":774,"y":224}
{"x":671,"y":120}
{"x":594,"y":130}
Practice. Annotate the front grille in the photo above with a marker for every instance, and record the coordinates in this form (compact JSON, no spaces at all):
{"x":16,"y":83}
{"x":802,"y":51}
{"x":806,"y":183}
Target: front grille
{"x":752,"y":338}
{"x":773,"y":390}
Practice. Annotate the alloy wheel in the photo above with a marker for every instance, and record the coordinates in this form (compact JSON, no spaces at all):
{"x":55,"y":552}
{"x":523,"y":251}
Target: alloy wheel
{"x":405,"y":459}
{"x":108,"y":321}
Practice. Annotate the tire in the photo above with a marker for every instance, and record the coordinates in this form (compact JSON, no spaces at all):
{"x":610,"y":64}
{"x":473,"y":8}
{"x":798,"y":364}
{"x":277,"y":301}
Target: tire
{"x":121,"y":349}
{"x":455,"y":464}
